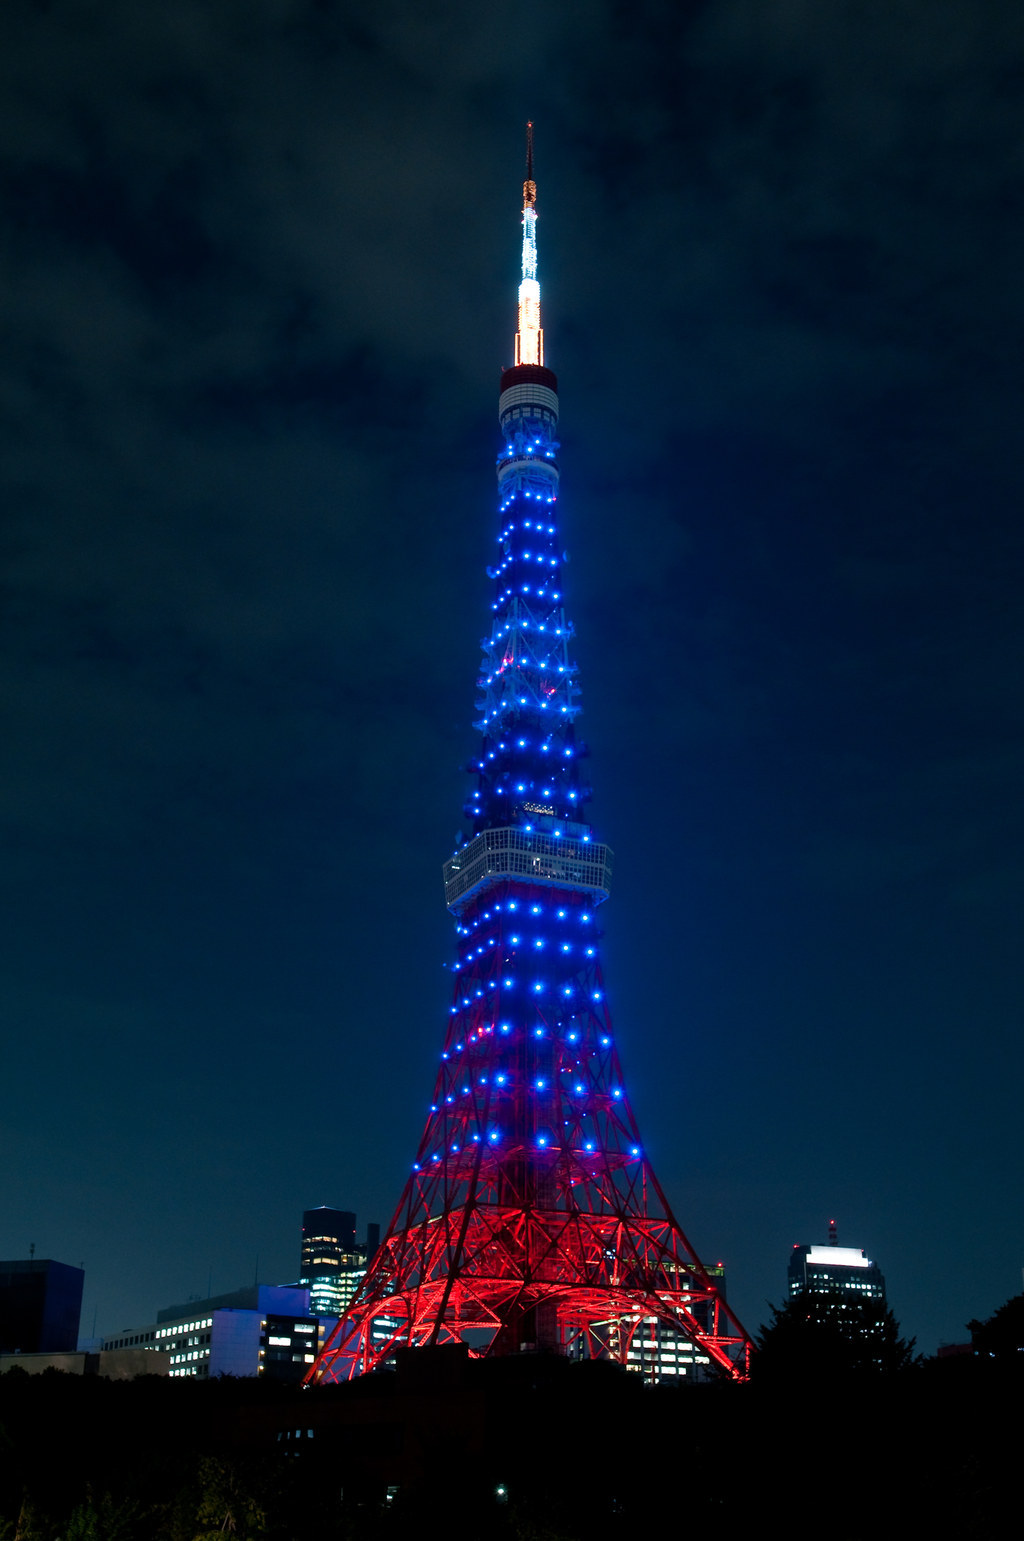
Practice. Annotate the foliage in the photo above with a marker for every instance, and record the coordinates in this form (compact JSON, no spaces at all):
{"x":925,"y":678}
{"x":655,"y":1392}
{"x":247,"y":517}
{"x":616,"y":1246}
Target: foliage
{"x":1001,"y":1336}
{"x":232,"y":1501}
{"x":91,"y":1460}
{"x":103,"y":1520}
{"x":822,"y":1335}
{"x":30,"y":1524}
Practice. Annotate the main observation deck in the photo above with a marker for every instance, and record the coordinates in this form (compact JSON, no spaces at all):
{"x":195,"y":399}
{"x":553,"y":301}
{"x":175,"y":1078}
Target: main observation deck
{"x":571,"y":861}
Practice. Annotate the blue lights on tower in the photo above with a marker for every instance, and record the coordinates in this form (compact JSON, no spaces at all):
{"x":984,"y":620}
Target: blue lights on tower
{"x":530,"y":1210}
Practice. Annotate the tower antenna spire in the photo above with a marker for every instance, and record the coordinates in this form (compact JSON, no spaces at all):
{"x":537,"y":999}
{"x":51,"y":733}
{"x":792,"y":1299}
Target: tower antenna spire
{"x":530,"y":335}
{"x":531,"y":1220}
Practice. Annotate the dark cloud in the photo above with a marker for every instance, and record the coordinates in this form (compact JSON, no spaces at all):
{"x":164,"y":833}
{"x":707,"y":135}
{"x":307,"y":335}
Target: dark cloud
{"x":256,"y":279}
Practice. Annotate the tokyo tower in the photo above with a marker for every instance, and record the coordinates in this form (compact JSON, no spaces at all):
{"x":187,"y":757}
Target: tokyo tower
{"x":531,"y":1219}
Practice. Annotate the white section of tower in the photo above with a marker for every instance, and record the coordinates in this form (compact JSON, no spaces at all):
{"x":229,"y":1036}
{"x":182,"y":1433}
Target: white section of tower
{"x":530,"y":336}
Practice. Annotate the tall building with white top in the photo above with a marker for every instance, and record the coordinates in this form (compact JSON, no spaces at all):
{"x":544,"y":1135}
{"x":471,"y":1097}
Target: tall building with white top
{"x":834,"y":1270}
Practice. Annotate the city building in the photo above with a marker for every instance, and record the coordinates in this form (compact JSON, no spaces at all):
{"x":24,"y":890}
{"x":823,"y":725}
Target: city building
{"x":40,"y":1306}
{"x":333,"y":1261}
{"x":664,"y":1354}
{"x":834,"y":1270}
{"x":264,"y":1330}
{"x":109,"y":1364}
{"x":531,"y":1219}
{"x":661,"y":1353}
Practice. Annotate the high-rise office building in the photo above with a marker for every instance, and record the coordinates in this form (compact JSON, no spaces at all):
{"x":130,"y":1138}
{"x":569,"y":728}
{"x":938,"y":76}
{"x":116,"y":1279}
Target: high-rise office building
{"x":333,"y":1261}
{"x":834,"y":1270}
{"x":665,"y":1355}
{"x":40,"y":1306}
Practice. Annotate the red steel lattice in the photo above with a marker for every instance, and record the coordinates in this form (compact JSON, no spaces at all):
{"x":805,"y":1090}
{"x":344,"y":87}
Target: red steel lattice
{"x":531,"y":1218}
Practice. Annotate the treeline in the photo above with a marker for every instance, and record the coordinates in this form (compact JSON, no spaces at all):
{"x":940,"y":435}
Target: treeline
{"x":530,"y":1450}
{"x":88,"y":1459}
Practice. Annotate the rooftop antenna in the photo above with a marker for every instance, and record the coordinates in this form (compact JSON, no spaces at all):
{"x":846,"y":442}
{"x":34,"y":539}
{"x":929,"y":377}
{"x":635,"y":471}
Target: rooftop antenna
{"x":833,"y":1234}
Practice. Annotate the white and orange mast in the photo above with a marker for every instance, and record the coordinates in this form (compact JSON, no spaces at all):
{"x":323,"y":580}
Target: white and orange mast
{"x":530,"y":336}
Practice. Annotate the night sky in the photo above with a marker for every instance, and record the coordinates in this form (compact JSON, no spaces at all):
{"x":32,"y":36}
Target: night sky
{"x":259,"y":264}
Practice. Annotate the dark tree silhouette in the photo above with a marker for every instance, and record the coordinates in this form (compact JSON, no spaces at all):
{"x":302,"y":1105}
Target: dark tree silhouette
{"x":822,"y":1335}
{"x":1001,"y":1337}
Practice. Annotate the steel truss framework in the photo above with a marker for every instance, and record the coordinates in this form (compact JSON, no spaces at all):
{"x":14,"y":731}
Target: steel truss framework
{"x":531,"y":1217}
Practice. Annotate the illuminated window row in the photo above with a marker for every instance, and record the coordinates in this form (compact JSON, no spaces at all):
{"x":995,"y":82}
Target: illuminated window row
{"x":180,"y":1327}
{"x":190,"y":1356}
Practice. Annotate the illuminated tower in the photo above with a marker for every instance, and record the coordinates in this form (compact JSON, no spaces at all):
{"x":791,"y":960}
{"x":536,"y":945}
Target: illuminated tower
{"x":531,"y":1219}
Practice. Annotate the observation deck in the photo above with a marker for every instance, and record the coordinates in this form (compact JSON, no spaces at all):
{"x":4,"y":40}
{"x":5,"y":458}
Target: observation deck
{"x":534,"y":856}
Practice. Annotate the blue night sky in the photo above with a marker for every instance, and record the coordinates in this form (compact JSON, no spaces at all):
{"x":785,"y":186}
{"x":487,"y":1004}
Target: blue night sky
{"x":258,"y":280}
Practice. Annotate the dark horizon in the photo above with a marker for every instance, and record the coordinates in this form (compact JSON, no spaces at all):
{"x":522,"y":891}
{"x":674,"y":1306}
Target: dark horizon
{"x":260,"y":284}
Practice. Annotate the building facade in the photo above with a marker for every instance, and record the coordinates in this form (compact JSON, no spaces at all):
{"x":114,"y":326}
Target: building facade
{"x":40,"y":1306}
{"x":664,"y":1355}
{"x":265,"y":1330}
{"x":834,"y":1270}
{"x":333,"y":1261}
{"x":109,"y":1364}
